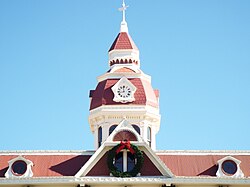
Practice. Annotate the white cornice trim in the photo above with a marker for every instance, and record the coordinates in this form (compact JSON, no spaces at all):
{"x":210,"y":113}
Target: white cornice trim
{"x":115,"y":75}
{"x":45,"y":152}
{"x":126,"y":108}
{"x":158,"y":152}
{"x":202,"y":152}
{"x":132,"y":180}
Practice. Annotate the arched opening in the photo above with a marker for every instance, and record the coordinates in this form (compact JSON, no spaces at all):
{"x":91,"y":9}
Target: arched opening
{"x":137,"y":129}
{"x":99,"y":136}
{"x":125,"y":135}
{"x":112,"y":128}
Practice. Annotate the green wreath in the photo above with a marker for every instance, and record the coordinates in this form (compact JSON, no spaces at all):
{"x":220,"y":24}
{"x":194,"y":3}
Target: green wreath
{"x":134,"y":150}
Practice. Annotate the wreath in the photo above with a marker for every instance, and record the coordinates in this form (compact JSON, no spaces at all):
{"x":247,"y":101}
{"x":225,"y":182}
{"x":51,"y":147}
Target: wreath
{"x":138,"y":155}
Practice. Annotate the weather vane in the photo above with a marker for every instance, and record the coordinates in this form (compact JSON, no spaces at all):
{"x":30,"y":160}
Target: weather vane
{"x":123,"y":9}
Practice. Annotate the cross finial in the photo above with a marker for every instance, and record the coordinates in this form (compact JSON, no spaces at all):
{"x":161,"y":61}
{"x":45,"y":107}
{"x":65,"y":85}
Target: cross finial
{"x":123,"y":9}
{"x":124,"y":27}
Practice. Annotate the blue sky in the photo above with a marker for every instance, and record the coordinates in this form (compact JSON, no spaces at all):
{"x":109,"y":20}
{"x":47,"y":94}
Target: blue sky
{"x":197,"y":52}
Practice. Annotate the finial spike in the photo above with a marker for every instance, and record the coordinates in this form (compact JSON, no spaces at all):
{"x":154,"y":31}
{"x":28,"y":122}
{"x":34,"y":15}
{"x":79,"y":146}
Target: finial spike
{"x":124,"y":27}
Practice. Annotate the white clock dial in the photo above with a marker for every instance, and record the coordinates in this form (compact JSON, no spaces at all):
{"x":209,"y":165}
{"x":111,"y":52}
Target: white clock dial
{"x":124,"y":91}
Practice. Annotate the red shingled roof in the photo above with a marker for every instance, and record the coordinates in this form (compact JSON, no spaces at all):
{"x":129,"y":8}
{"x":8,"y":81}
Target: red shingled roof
{"x":200,"y":165}
{"x":124,"y":70}
{"x":103,"y":95}
{"x":123,"y":41}
{"x":49,"y":165}
{"x":180,"y":165}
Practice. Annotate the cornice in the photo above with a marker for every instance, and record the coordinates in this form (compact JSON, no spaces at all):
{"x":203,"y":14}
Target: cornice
{"x":114,"y":75}
{"x":203,"y":152}
{"x":46,"y":152}
{"x":133,"y":180}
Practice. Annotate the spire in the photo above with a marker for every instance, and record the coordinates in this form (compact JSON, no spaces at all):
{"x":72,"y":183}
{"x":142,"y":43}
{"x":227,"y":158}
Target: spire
{"x":123,"y":51}
{"x":124,"y":25}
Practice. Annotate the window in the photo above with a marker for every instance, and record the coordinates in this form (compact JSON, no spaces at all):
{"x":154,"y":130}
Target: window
{"x":124,"y":161}
{"x":149,"y":136}
{"x":125,"y":135}
{"x":130,"y":161}
{"x":99,"y":136}
{"x":229,"y":167}
{"x":112,"y":128}
{"x":137,"y":129}
{"x":19,"y":167}
{"x":119,"y":161}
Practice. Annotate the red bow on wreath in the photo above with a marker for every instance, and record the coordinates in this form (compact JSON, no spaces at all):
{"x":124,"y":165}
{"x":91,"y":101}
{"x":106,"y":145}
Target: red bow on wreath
{"x":125,"y":144}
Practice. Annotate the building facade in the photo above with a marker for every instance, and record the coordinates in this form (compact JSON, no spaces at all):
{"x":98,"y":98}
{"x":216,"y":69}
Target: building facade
{"x":124,"y":119}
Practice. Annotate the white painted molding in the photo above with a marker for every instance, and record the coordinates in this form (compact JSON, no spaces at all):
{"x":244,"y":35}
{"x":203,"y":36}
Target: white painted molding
{"x":115,"y":75}
{"x":154,"y":180}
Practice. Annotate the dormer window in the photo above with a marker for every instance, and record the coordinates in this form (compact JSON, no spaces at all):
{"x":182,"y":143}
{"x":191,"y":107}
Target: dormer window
{"x":229,"y":167}
{"x":19,"y":167}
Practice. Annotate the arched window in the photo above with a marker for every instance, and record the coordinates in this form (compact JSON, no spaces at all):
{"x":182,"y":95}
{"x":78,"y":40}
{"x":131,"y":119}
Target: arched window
{"x":99,"y":136}
{"x":112,"y":128}
{"x":137,"y":129}
{"x":125,"y":135}
{"x":149,"y":136}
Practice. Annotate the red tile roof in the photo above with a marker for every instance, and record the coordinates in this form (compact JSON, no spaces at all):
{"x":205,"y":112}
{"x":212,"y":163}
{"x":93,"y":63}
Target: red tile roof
{"x":123,"y":41}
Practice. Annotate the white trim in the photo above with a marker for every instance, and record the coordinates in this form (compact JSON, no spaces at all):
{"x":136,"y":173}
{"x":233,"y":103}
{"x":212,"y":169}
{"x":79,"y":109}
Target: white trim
{"x":91,"y":152}
{"x":132,"y":180}
{"x":115,"y":75}
{"x":45,"y":152}
{"x":125,"y":108}
{"x":202,"y":152}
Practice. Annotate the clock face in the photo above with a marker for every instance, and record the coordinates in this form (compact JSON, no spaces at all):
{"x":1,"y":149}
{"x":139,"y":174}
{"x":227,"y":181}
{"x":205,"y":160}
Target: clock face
{"x":124,"y":91}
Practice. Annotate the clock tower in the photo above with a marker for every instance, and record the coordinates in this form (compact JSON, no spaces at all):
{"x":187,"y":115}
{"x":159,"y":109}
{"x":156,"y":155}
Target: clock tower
{"x":124,"y":92}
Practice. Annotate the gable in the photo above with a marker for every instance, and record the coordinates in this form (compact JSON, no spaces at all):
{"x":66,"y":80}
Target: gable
{"x":101,"y":168}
